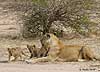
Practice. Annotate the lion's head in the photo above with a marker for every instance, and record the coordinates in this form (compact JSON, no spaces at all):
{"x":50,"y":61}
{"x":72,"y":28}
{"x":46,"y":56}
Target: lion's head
{"x":53,"y":40}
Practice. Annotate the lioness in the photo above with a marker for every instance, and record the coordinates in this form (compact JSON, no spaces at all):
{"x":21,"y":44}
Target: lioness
{"x":60,"y":52}
{"x":16,"y":53}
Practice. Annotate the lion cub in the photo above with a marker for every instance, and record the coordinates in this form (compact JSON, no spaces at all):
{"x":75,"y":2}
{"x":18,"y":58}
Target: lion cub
{"x":33,"y":50}
{"x":37,"y":52}
{"x":43,"y":52}
{"x":16,"y":53}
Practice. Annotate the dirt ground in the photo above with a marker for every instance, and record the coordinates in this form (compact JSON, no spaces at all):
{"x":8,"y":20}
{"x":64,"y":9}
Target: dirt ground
{"x":21,"y":66}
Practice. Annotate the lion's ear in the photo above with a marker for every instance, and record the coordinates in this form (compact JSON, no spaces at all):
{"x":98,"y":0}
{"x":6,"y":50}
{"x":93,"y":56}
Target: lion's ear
{"x":48,"y":35}
{"x":28,"y":46}
{"x":34,"y":46}
{"x":54,"y":33}
{"x":8,"y":49}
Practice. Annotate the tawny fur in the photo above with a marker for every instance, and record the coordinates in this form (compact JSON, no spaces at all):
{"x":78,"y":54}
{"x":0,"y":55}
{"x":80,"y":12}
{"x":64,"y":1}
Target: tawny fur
{"x":61,"y":52}
{"x":33,"y":50}
{"x":38,"y":52}
{"x":16,"y":53}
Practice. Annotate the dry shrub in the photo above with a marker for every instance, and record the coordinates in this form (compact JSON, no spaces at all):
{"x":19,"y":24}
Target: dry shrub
{"x":71,"y":13}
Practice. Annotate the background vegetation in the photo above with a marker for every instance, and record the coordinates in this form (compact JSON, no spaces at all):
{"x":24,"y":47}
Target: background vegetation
{"x":46,"y":14}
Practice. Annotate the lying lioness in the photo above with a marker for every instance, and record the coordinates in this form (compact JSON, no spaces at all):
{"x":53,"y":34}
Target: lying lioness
{"x":60,"y":52}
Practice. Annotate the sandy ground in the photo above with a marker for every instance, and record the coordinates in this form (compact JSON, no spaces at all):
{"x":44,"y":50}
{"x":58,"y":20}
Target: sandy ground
{"x":21,"y":66}
{"x":49,"y":67}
